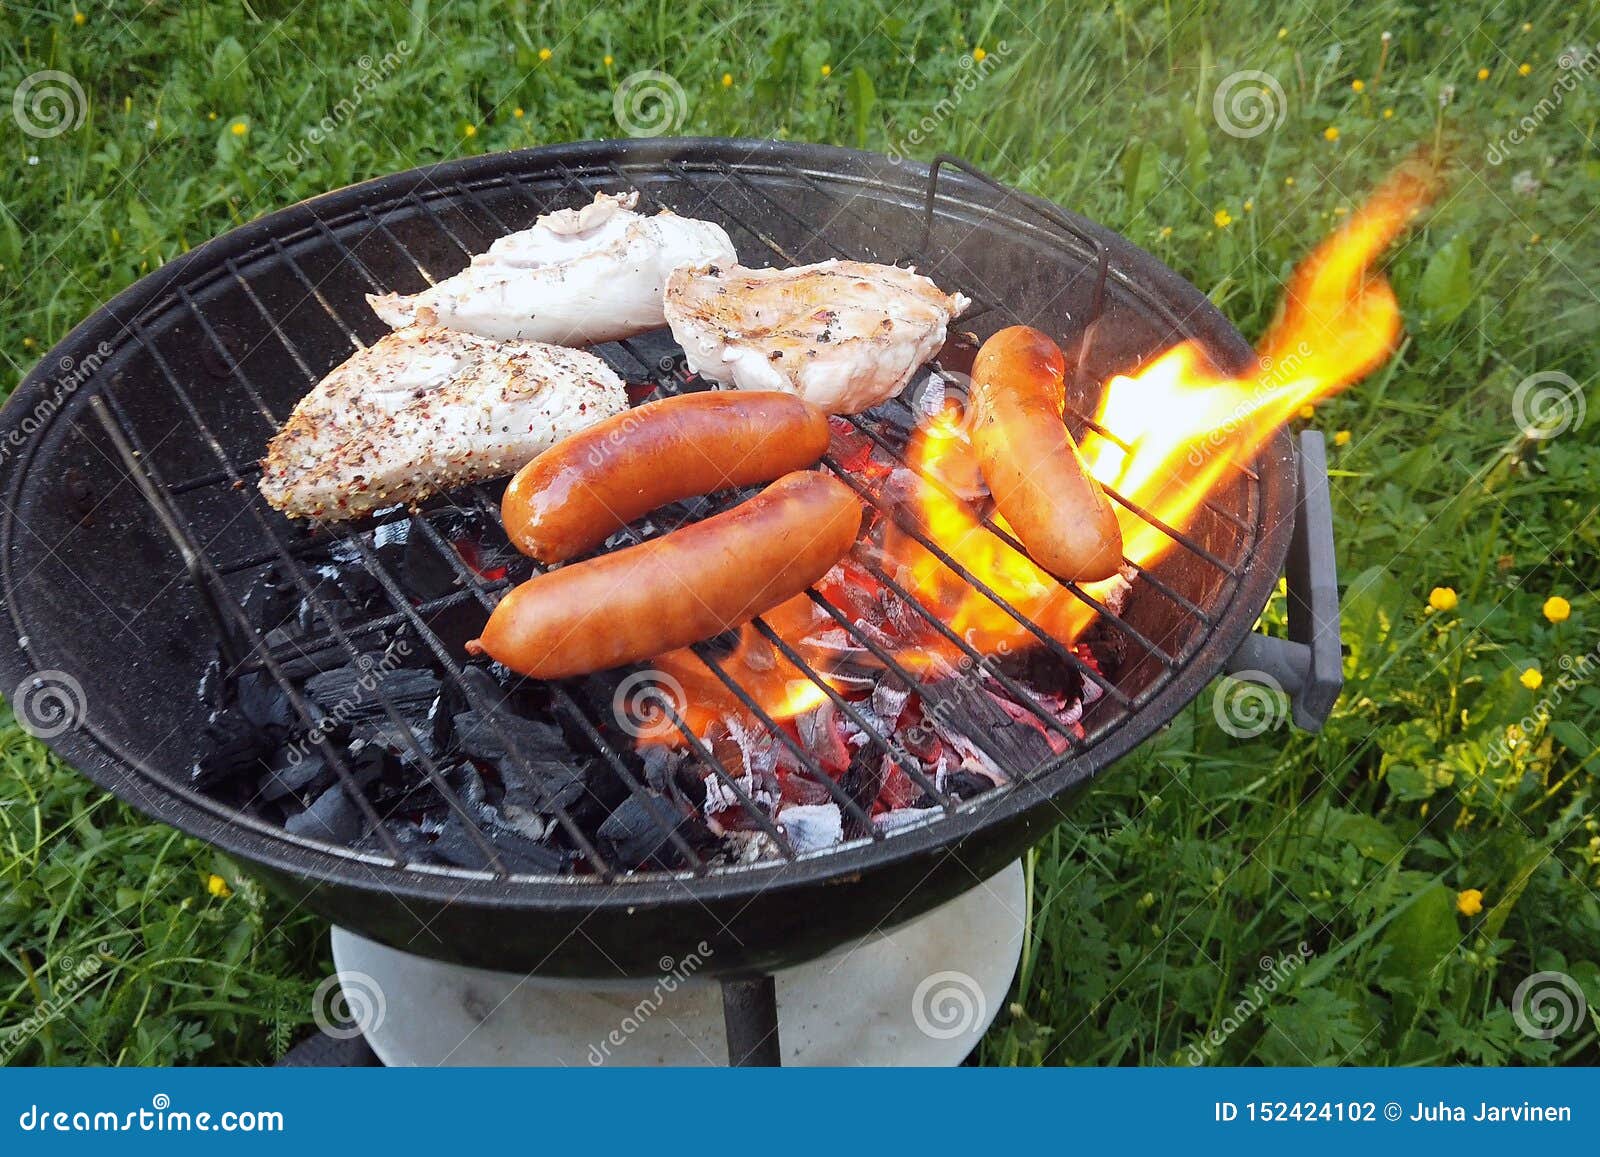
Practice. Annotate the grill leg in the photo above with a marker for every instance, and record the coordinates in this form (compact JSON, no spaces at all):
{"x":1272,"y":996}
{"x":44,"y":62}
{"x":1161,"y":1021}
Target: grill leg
{"x":750,"y":1018}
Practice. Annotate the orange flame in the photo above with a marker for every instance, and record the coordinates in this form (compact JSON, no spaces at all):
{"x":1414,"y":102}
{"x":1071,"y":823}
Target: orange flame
{"x":1171,"y":432}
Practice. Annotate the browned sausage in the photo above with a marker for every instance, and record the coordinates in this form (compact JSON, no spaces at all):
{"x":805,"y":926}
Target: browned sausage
{"x":688,"y":585}
{"x":570,"y":498}
{"x":1032,"y":465}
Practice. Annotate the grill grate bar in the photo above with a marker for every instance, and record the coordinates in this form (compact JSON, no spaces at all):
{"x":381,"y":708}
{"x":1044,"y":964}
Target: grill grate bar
{"x":148,"y":480}
{"x":391,"y":589}
{"x":297,"y":574}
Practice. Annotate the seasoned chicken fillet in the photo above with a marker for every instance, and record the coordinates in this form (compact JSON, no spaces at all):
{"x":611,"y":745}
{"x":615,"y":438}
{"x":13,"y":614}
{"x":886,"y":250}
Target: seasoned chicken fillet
{"x":577,"y":277}
{"x":424,"y":410}
{"x":844,"y":335}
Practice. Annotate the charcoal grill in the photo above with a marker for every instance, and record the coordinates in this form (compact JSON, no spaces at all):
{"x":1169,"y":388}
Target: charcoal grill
{"x":131,"y":518}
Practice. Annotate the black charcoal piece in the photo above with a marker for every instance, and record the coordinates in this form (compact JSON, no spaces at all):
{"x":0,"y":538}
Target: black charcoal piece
{"x":530,"y":739}
{"x":230,"y":744}
{"x":636,"y":833}
{"x":966,"y":784}
{"x":333,"y":817}
{"x":516,"y":853}
{"x":350,"y":693}
{"x":543,"y":785}
{"x":294,"y":769}
{"x":263,"y":702}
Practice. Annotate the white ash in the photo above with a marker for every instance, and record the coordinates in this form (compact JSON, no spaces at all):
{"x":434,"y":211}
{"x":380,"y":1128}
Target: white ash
{"x":905,"y":817}
{"x":812,"y":827}
{"x":720,"y":797}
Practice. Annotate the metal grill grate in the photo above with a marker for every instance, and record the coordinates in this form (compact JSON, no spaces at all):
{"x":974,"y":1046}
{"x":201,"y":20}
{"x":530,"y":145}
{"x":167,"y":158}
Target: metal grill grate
{"x":739,"y":201}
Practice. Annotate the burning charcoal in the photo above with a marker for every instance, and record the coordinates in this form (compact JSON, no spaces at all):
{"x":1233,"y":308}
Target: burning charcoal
{"x":799,"y":787}
{"x":636,"y":833}
{"x":862,"y":782}
{"x":821,"y":735}
{"x":959,"y":708}
{"x":293,"y":771}
{"x":812,"y":828}
{"x":333,"y":817}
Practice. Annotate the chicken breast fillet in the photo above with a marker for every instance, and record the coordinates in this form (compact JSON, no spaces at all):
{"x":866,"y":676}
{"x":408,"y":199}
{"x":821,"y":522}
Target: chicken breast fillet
{"x":424,"y":410}
{"x":577,"y":277}
{"x":844,"y":335}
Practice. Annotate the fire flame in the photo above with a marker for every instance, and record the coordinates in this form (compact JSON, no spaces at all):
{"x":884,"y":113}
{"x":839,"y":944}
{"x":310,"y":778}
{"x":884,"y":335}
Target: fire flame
{"x":1162,"y":439}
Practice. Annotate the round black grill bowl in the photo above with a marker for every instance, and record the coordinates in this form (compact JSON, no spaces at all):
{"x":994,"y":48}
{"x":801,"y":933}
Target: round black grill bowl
{"x":94,"y":588}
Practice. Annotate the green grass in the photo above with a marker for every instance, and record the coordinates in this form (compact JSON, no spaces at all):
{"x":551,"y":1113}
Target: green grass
{"x":1153,"y":909}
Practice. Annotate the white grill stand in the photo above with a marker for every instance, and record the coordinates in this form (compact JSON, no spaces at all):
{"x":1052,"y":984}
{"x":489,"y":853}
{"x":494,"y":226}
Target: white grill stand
{"x":919,"y":994}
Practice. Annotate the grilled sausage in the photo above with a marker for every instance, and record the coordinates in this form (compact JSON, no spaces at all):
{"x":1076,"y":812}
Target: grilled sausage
{"x":1039,"y":480}
{"x":571,"y":497}
{"x":688,"y":585}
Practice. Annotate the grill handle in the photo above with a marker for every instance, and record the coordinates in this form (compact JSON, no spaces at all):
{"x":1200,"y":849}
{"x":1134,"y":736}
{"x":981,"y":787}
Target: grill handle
{"x":1308,"y":666}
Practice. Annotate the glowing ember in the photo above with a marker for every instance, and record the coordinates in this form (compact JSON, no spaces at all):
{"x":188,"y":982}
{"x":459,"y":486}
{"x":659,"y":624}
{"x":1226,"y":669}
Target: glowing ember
{"x":1175,"y":429}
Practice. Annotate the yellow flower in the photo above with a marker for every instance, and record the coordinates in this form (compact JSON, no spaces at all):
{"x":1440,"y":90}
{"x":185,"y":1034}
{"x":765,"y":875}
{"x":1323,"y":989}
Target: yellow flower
{"x":607,"y":61}
{"x":518,"y":113}
{"x":1331,"y":133}
{"x":1358,"y":86}
{"x":211,"y":116}
{"x":1388,"y":114}
{"x":1308,"y":412}
{"x":1526,"y":27}
{"x":1223,"y":218}
{"x":827,"y":70}
{"x":1282,"y":32}
{"x":544,"y":54}
{"x":1289,"y":181}
{"x":1483,"y":74}
{"x":79,"y":19}
{"x":1524,"y":68}
{"x":1166,"y":231}
{"x":218,"y":887}
{"x":1249,"y":205}
{"x":1513,"y":735}
{"x":1531,"y":679}
{"x":1341,"y":438}
{"x":1443,"y":598}
{"x":239,"y":128}
{"x":1469,"y":902}
{"x":28,"y":343}
{"x":1557,"y":609}
{"x":469,"y":130}
{"x":978,"y":54}
{"x":727,"y":80}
